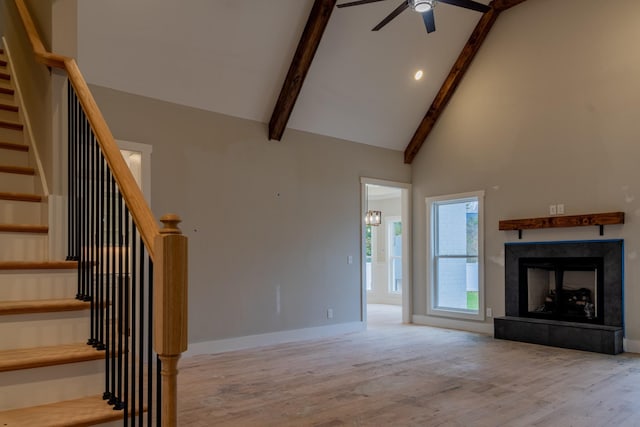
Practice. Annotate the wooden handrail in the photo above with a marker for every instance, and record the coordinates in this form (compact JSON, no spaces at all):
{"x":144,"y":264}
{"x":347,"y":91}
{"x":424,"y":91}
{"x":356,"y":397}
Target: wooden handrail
{"x":135,"y":201}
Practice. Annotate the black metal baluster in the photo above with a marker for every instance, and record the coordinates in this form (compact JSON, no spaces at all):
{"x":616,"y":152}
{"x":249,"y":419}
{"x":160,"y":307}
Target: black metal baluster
{"x":158,"y":392}
{"x":81,"y":211}
{"x":86,"y":203}
{"x":100,"y":217}
{"x":127,"y":329}
{"x":80,"y":226}
{"x":71,"y":172}
{"x":107,"y":284}
{"x":121,"y":332}
{"x":91,"y":238}
{"x":114,"y":297}
{"x":134,"y":291}
{"x":149,"y":333}
{"x":78,"y":177}
{"x":95,"y":225}
{"x":142,"y":332}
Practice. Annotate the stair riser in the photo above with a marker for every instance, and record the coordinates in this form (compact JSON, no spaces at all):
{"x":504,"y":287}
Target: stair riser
{"x":45,"y":329}
{"x":33,"y":285}
{"x":14,"y":158}
{"x":16,"y":183}
{"x":11,"y":135}
{"x":11,"y":116}
{"x":17,"y":212}
{"x":6,"y":97}
{"x":39,"y":386}
{"x":23,"y":247}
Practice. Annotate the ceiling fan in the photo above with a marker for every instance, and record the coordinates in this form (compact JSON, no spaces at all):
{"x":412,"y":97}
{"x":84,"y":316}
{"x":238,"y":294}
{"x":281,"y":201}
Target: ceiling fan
{"x":423,"y":7}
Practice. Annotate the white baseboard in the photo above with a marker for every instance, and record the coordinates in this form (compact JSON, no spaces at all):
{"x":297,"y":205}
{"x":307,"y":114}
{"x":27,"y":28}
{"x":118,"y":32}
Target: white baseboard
{"x":463,"y":325}
{"x":631,"y":346}
{"x":251,"y":341}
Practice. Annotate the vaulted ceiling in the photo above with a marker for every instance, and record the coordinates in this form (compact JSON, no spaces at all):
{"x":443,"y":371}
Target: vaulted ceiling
{"x":233,"y":57}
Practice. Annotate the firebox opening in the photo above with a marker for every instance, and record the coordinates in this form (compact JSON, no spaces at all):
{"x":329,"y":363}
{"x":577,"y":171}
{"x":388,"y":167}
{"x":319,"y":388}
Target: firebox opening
{"x":568,"y":289}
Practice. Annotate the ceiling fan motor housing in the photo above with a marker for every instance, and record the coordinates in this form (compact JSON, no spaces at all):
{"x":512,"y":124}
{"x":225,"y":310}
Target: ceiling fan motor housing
{"x":421,"y":6}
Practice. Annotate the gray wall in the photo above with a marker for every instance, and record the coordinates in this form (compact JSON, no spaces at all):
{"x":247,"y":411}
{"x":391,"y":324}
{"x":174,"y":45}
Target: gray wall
{"x":259,"y":215}
{"x":41,"y":14}
{"x":3,"y":17}
{"x":548,"y":113}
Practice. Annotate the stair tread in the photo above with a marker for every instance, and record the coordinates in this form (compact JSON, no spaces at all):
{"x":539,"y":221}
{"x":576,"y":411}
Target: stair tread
{"x":7,"y":90}
{"x":24,"y":228}
{"x":42,"y":306}
{"x":78,"y":412}
{"x":21,"y":170}
{"x":27,"y":358}
{"x":13,"y":146}
{"x":38,"y":265}
{"x":21,"y":197}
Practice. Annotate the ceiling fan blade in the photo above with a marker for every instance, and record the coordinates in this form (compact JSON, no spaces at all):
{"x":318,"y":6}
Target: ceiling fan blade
{"x":357,"y":3}
{"x":429,"y":20}
{"x":392,"y":15}
{"x":468,"y":4}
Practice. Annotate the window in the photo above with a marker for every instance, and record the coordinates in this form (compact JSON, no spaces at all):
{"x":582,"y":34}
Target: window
{"x":455,"y":260}
{"x":395,"y":255}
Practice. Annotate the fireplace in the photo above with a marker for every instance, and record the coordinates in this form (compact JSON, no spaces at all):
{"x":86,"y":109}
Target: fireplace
{"x":565,"y":294}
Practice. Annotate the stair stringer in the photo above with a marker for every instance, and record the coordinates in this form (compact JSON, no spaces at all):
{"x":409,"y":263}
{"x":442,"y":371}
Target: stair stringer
{"x":34,"y":156}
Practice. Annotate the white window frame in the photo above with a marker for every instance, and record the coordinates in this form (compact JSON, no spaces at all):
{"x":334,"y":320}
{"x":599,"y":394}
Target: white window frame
{"x":431,"y":202}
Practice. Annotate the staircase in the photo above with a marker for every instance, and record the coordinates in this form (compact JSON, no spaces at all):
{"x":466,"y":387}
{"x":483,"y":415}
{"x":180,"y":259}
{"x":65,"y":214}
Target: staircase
{"x":49,"y":376}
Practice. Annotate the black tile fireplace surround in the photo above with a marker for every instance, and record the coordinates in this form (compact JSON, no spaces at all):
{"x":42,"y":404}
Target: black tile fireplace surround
{"x":558,"y":322}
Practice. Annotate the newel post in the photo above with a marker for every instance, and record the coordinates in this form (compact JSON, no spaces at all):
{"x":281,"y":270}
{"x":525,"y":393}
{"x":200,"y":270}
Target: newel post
{"x":170,"y":309}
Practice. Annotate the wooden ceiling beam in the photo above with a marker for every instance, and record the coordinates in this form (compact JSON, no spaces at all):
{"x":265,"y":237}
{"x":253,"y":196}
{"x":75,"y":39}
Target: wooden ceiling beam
{"x":306,"y":50}
{"x":455,"y":75}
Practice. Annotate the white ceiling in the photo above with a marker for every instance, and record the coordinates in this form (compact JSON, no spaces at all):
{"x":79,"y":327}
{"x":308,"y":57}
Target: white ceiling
{"x":231,"y":57}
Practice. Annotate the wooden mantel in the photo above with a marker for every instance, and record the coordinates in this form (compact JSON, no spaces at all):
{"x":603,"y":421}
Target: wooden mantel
{"x":599,"y":219}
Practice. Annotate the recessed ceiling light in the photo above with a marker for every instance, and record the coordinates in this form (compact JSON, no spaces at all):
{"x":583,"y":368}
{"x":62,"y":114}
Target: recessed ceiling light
{"x":418,"y":75}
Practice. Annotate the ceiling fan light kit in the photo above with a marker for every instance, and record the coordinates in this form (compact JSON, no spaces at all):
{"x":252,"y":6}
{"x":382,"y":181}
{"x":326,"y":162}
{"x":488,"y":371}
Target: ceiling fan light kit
{"x":421,"y":6}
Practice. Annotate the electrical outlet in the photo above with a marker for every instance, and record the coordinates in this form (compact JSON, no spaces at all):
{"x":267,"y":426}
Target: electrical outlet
{"x":560,"y":209}
{"x":552,"y":210}
{"x":489,"y":312}
{"x":350,"y":259}
{"x":329,"y":313}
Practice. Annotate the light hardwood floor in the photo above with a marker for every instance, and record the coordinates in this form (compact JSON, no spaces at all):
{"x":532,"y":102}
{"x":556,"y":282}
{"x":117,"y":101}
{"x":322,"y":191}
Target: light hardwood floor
{"x":405,"y":375}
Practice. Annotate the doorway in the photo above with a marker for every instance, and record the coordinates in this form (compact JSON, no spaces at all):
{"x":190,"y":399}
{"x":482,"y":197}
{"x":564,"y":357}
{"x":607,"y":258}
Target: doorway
{"x":386,"y":278}
{"x":138,"y":157}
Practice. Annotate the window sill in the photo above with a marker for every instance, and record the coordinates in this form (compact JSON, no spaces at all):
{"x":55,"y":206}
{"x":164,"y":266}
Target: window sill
{"x":456,"y":314}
